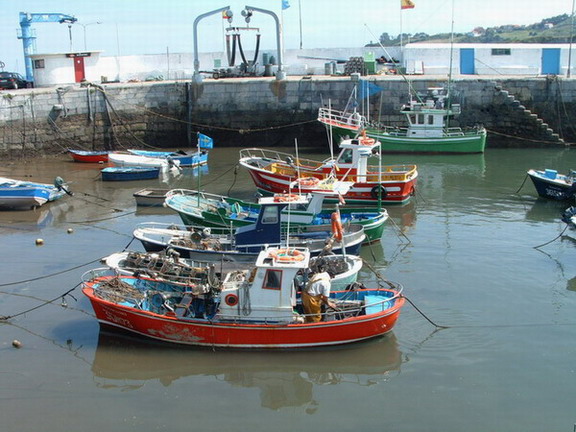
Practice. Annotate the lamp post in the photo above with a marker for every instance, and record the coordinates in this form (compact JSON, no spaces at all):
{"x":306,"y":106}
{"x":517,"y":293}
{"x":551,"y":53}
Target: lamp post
{"x":84,"y":28}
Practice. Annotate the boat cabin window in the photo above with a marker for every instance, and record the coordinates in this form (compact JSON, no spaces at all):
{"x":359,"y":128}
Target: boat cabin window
{"x":430,"y":119}
{"x":412,"y":118}
{"x":345,"y":156}
{"x":272,"y":280}
{"x":270,"y":215}
{"x":420,"y":118}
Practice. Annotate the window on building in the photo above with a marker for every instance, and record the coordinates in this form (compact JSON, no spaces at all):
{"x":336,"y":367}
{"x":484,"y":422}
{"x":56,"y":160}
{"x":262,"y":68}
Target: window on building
{"x":39,"y":64}
{"x":500,"y":51}
{"x":272,"y":280}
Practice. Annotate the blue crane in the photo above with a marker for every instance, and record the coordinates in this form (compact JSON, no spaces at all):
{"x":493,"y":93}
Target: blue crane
{"x":29,"y":37}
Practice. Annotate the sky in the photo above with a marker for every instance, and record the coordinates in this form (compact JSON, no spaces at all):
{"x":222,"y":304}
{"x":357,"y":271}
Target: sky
{"x":133,"y":27}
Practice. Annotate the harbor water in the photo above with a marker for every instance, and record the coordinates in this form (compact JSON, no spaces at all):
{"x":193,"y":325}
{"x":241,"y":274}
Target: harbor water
{"x":490,"y":347}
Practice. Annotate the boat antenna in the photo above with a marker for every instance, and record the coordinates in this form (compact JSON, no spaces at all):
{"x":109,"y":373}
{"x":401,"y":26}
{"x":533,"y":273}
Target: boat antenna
{"x":397,"y":70}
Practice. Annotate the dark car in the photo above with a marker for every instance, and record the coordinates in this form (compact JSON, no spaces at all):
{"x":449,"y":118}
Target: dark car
{"x":13,"y":80}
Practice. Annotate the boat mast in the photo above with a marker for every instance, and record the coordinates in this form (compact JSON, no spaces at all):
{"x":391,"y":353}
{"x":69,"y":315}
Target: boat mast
{"x":449,"y":101}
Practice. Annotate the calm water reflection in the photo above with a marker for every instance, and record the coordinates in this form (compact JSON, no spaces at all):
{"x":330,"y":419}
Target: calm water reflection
{"x":464,"y":249}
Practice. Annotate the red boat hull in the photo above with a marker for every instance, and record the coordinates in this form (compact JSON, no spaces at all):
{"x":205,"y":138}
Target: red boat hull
{"x":234,"y":335}
{"x":396,"y":192}
{"x":89,"y":157}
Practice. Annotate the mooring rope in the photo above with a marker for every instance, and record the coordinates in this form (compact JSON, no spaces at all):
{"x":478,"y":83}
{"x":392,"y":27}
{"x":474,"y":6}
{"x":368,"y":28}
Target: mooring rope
{"x":61,"y":296}
{"x":522,"y":185}
{"x":555,"y":238}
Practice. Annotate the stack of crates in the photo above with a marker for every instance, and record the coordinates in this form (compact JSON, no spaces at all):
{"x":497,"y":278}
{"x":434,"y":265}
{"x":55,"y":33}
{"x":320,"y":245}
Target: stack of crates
{"x":355,"y":65}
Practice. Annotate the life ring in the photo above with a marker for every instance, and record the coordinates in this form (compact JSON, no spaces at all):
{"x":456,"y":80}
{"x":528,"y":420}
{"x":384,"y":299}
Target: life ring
{"x":375,"y":189}
{"x":285,"y":197}
{"x":286,"y":255}
{"x":308,"y":181}
{"x":231,"y":299}
{"x":364,"y":140}
{"x":337,"y":230}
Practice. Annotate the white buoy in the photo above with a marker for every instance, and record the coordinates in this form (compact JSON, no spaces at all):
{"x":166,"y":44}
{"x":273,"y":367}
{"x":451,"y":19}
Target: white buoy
{"x":70,"y":230}
{"x":39,"y":242}
{"x":16,"y":343}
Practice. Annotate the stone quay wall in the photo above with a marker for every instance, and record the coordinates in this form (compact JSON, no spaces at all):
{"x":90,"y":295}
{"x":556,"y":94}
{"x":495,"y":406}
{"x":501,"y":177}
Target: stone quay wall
{"x":265,"y":112}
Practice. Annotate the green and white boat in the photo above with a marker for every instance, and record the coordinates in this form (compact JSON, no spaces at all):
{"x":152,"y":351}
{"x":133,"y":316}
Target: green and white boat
{"x":211,"y":210}
{"x":428,"y":117}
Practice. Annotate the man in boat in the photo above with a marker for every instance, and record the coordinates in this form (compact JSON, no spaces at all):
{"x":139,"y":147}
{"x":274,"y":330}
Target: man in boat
{"x":316,"y":294}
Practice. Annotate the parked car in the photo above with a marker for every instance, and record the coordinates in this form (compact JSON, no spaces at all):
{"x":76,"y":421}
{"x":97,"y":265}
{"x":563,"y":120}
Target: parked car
{"x":13,"y":80}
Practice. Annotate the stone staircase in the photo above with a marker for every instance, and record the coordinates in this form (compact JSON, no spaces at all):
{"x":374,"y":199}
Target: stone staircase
{"x":542,"y":131}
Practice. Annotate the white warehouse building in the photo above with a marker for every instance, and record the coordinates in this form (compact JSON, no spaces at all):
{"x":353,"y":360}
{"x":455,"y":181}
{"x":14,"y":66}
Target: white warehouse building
{"x":487,"y":59}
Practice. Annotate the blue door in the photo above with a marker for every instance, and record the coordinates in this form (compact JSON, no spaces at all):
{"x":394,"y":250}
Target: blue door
{"x":550,"y":61}
{"x":467,"y":61}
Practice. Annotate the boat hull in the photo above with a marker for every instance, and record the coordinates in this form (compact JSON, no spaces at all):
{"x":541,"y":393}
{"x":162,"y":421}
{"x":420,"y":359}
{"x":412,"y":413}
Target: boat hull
{"x":129,"y":173}
{"x":241,"y":335}
{"x":466,"y":143}
{"x":150,"y":197}
{"x":88,"y":156}
{"x":555,"y":186}
{"x":16,"y":194}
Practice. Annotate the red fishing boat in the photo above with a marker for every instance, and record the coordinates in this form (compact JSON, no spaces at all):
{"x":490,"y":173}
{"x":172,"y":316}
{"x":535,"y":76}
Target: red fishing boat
{"x":88,"y":156}
{"x":277,"y":172}
{"x":251,"y":308}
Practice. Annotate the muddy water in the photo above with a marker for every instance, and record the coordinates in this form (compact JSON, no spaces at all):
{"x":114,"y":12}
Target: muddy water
{"x":463,"y":249}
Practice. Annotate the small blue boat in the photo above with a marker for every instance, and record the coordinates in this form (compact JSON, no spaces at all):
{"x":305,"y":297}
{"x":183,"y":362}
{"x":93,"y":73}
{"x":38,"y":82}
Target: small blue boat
{"x":186,"y":159}
{"x":18,"y":194}
{"x":552,"y":185}
{"x":129,"y":173}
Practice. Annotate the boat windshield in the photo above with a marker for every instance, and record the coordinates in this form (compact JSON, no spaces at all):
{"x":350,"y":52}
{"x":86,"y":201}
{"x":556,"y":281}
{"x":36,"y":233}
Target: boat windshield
{"x":345,"y":157}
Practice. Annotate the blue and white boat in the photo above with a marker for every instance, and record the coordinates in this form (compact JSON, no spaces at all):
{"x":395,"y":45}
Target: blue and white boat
{"x":181,"y":158}
{"x":186,"y":159}
{"x":552,"y":185}
{"x":19,"y":194}
{"x":130,"y":173}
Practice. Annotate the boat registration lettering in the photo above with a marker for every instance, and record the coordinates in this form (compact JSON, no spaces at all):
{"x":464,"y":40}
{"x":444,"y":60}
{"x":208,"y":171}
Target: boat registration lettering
{"x":113,"y":317}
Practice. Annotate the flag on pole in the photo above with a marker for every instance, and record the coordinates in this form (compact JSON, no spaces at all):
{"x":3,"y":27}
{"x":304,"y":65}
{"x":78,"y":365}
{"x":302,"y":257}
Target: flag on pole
{"x":285,"y":4}
{"x":366,"y":88}
{"x":406,"y":4}
{"x":205,"y":142}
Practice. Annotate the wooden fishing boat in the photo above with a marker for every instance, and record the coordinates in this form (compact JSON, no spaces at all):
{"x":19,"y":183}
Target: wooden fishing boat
{"x":129,"y":173}
{"x":277,"y":172}
{"x":186,"y":159}
{"x":169,"y":266}
{"x":428,"y":130}
{"x":201,"y":208}
{"x":88,"y":156}
{"x":151,"y":197}
{"x":552,"y":185}
{"x":252,"y":308}
{"x":20,"y":194}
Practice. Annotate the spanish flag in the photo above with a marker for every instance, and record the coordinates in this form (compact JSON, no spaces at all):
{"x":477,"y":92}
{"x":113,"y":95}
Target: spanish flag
{"x":406,"y":4}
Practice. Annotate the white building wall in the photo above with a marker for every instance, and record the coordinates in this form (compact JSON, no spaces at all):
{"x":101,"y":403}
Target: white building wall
{"x":59,"y":69}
